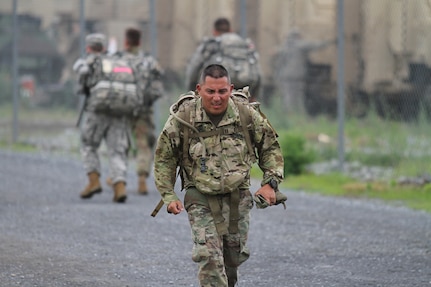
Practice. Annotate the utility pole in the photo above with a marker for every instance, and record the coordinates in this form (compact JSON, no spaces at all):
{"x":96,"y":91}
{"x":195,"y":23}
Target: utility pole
{"x":15,"y":31}
{"x":340,"y":83}
{"x":153,"y":40}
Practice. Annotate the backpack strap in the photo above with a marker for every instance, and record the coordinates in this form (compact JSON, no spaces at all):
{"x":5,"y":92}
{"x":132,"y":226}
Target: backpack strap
{"x":186,"y":132}
{"x":245,"y":118}
{"x":187,"y":103}
{"x":241,"y":99}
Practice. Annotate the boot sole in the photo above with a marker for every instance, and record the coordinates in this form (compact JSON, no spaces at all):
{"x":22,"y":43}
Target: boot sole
{"x":120,"y":199}
{"x":91,"y":193}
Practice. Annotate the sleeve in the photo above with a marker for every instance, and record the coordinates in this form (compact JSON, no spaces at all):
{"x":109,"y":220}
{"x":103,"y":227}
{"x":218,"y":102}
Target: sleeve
{"x":156,"y":88}
{"x":81,"y":67}
{"x":194,"y":67}
{"x":269,"y":152}
{"x":166,"y":161}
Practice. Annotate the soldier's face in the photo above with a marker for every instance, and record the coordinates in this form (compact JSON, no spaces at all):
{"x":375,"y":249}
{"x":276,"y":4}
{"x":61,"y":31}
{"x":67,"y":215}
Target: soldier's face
{"x":215,"y":94}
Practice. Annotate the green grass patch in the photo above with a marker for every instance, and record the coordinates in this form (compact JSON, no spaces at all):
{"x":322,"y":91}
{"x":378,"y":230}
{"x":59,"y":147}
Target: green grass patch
{"x":416,"y":197}
{"x":18,"y":147}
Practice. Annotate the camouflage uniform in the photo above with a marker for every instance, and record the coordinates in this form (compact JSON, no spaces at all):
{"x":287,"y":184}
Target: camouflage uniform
{"x":210,"y":46}
{"x":228,"y":165}
{"x":290,"y":69}
{"x":98,"y":126}
{"x":115,"y":132}
{"x":143,"y":124}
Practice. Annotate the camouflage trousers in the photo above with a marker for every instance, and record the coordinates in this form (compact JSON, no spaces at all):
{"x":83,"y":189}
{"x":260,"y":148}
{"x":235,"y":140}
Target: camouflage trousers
{"x":115,"y":132}
{"x":218,"y":256}
{"x":145,"y":140}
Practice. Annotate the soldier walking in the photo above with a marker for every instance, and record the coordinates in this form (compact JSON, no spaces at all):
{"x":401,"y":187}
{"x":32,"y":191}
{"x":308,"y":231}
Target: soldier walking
{"x":98,"y":125}
{"x":229,"y":49}
{"x":215,"y":159}
{"x":150,"y":80}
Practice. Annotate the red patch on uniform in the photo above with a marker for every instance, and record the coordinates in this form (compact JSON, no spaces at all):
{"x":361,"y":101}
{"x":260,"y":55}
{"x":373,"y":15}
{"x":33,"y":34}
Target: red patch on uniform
{"x":127,"y":70}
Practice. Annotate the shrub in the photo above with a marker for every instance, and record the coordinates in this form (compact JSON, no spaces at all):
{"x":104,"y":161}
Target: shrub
{"x":295,"y":154}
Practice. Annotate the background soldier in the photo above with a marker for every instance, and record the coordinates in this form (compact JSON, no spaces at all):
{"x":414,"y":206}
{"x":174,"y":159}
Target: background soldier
{"x":101,"y":126}
{"x":150,"y":82}
{"x":215,"y":172}
{"x":229,"y":49}
{"x":290,"y":68}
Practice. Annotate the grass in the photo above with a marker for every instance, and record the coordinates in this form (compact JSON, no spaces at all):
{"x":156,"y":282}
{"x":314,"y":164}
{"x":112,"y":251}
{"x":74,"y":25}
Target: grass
{"x":415,"y":197}
{"x":336,"y":184}
{"x":400,"y":146}
{"x":18,"y":147}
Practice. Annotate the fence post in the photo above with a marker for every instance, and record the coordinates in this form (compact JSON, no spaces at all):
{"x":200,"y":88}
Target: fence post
{"x":243,"y":18}
{"x":153,"y":40}
{"x":82,"y":27}
{"x":340,"y":83}
{"x":15,"y":31}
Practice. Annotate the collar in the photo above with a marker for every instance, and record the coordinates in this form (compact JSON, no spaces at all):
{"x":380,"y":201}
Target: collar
{"x":230,"y":116}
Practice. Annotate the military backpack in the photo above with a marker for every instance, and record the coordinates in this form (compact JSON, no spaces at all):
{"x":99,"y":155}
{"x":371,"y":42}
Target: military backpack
{"x":114,"y":86}
{"x":237,"y":55}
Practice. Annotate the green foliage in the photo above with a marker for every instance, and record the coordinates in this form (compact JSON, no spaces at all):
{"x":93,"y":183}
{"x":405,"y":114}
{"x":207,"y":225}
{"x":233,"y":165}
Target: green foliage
{"x":296,"y":155}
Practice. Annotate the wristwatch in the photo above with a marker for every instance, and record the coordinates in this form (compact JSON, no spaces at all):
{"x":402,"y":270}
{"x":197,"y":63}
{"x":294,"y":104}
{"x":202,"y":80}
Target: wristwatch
{"x":274,"y":184}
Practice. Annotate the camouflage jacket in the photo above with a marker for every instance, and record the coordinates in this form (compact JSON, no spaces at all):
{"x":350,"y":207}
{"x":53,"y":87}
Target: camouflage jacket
{"x":227,"y":159}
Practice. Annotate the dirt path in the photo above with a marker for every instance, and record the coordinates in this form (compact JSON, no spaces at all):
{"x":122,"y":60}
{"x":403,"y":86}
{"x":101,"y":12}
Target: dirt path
{"x":50,"y":237}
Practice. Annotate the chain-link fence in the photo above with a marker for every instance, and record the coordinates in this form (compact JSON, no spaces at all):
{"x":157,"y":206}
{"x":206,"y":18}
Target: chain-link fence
{"x":386,"y":71}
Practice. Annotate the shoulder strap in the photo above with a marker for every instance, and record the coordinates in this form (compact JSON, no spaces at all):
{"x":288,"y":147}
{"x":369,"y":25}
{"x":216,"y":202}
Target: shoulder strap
{"x":186,"y":132}
{"x":183,"y":118}
{"x":246,"y":123}
{"x":212,"y":46}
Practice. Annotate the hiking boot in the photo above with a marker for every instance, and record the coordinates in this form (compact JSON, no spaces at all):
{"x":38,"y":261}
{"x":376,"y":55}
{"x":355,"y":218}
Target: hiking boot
{"x":120,"y":192}
{"x":92,"y":187}
{"x":142,"y":185}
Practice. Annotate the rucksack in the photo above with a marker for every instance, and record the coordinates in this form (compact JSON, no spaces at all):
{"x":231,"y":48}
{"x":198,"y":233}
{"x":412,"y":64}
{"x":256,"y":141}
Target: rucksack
{"x":114,"y":87}
{"x":238,"y":56}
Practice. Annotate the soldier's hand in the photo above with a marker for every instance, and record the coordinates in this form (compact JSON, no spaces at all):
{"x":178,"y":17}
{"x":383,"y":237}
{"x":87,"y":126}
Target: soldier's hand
{"x":175,"y":207}
{"x":267,"y":193}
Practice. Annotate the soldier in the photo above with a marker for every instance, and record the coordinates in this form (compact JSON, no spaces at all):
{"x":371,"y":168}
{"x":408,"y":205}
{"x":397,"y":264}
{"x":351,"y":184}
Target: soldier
{"x":100,"y":126}
{"x":215,"y":170}
{"x":150,"y":74}
{"x":290,"y":68}
{"x":236,"y":54}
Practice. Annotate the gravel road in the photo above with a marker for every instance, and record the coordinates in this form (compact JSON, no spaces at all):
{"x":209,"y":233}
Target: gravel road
{"x":50,"y":237}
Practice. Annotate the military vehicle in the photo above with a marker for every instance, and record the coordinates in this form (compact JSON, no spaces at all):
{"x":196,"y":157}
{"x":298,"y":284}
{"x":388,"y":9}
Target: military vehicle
{"x":40,"y":65}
